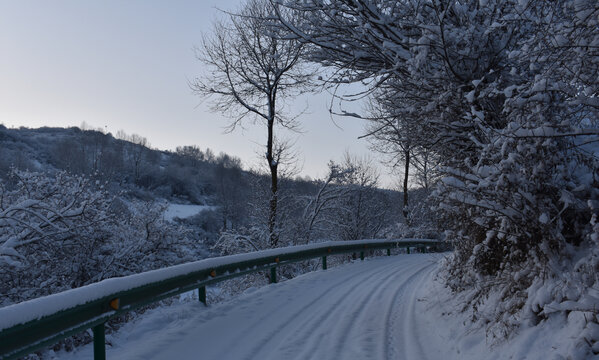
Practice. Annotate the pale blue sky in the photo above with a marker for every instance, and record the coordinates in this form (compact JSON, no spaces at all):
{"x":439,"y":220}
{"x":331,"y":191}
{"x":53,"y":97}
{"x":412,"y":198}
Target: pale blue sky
{"x":125,"y":64}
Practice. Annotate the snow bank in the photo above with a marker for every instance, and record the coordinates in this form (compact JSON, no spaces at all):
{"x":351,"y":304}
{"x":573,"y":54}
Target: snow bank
{"x":446,"y":327}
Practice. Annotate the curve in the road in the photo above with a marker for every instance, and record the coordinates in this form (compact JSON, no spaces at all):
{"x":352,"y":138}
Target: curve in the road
{"x":355,"y":311}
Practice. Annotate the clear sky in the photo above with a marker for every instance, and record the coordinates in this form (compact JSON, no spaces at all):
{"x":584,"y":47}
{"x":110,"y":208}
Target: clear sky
{"x":125,"y":64}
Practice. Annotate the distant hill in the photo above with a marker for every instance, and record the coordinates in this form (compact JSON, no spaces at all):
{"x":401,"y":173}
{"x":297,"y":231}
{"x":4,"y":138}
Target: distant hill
{"x":188,"y":175}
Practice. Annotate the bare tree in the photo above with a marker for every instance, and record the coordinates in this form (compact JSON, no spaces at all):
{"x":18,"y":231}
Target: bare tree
{"x":363,"y":212}
{"x":229,"y":184}
{"x":389,"y":136}
{"x":321,"y":208}
{"x":138,"y":147}
{"x":137,"y":152}
{"x":406,"y":144}
{"x":251,"y":68}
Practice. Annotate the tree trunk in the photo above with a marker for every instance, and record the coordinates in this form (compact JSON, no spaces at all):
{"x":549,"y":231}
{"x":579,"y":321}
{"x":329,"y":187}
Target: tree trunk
{"x":274,"y":186}
{"x":405,"y":186}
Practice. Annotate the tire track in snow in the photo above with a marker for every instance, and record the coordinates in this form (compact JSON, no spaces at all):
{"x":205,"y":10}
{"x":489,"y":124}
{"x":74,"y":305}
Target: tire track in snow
{"x":240,"y":331}
{"x":393,"y":315}
{"x":368,"y":321}
{"x":412,"y":324}
{"x":344,"y":288}
{"x":351,"y":313}
{"x":344,"y":303}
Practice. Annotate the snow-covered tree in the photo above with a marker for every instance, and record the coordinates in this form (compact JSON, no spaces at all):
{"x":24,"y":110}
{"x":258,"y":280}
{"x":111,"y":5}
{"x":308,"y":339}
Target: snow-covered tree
{"x":64,"y":231}
{"x":365,"y":209}
{"x":505,"y":94}
{"x":319,"y":210}
{"x":524,"y":204}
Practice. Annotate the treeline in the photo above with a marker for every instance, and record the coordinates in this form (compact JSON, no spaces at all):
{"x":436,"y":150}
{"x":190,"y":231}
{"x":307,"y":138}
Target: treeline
{"x":187,"y":174}
{"x":128,"y":165}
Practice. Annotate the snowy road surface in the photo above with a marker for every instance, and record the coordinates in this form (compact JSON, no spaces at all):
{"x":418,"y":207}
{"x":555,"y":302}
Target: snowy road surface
{"x":381,"y":308}
{"x":364,"y":310}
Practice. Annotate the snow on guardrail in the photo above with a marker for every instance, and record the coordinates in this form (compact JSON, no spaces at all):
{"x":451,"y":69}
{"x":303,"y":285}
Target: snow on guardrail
{"x":37,"y":308}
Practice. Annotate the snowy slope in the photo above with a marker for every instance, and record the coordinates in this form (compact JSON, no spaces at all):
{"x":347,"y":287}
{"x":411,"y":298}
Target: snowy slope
{"x":382,"y":308}
{"x":184,"y":211}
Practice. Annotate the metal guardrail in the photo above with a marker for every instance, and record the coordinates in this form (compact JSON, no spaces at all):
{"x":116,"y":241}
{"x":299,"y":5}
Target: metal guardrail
{"x":21,"y":339}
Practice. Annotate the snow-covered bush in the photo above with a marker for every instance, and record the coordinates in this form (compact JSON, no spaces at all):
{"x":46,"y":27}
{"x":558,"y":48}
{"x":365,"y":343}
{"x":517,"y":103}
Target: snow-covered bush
{"x":48,"y":228}
{"x":520,"y":216}
{"x":64,"y":231}
{"x":520,"y":210}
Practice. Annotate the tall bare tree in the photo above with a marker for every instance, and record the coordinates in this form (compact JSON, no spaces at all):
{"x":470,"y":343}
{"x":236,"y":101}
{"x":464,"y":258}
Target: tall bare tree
{"x":138,"y":147}
{"x":251,"y":68}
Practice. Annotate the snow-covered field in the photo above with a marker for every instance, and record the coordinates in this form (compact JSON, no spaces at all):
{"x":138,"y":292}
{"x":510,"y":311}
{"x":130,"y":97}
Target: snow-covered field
{"x":184,"y":211}
{"x":382,"y":308}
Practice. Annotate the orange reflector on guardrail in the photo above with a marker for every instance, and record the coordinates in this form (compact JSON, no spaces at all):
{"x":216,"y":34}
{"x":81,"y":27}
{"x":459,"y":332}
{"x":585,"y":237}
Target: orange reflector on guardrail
{"x":277,"y":260}
{"x":115,"y":303}
{"x":213,"y":273}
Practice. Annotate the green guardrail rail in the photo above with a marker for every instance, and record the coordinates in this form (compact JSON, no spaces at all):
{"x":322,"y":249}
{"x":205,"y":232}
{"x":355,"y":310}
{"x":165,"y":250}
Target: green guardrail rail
{"x":45,"y":330}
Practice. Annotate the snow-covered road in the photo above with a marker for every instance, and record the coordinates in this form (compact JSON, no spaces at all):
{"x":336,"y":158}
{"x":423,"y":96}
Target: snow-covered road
{"x":381,"y":308}
{"x":364,"y":310}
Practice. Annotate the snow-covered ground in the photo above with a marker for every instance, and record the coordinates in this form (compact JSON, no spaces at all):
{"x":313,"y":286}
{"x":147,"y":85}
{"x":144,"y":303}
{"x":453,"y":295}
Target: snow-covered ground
{"x":184,"y":211}
{"x":382,"y":308}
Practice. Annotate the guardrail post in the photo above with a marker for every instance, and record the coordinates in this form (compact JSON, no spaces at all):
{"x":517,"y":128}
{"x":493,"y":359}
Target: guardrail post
{"x":388,"y":252}
{"x":99,"y":342}
{"x":361,"y":255}
{"x":324,"y":263}
{"x":408,"y":250}
{"x":202,"y":294}
{"x":273,"y":275}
